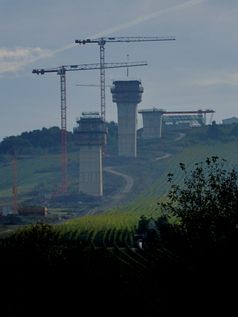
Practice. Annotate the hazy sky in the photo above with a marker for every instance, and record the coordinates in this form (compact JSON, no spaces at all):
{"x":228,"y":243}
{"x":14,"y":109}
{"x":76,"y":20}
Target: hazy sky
{"x":197,"y":71}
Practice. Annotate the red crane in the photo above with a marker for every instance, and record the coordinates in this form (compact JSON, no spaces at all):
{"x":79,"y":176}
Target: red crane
{"x":101,"y":42}
{"x":14,"y":184}
{"x":61,"y":71}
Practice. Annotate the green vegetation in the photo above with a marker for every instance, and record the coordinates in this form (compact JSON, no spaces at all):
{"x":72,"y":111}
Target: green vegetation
{"x":212,"y":133}
{"x":206,"y":204}
{"x":48,"y":141}
{"x":146,"y":204}
{"x":38,"y":163}
{"x":39,"y":178}
{"x":101,"y":257}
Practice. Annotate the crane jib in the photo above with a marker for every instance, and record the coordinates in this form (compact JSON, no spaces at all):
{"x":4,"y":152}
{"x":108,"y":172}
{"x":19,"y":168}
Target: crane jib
{"x":62,"y":69}
{"x":102,"y":41}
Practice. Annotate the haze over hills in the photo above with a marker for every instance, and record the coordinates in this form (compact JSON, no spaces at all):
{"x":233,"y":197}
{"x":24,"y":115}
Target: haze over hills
{"x":125,"y":180}
{"x":147,"y":224}
{"x":98,"y":248}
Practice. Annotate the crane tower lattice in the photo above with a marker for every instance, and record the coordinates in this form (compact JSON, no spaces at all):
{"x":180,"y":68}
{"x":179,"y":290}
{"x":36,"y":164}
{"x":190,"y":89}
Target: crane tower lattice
{"x":61,"y":71}
{"x":101,"y":42}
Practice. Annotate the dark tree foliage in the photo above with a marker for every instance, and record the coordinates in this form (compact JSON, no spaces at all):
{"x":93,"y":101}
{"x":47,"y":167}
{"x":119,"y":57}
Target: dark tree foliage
{"x":234,"y":130}
{"x":207,"y":202}
{"x":37,"y":245}
{"x":12,"y":145}
{"x":31,"y":142}
{"x":43,"y":138}
{"x":112,"y":137}
{"x":142,"y":225}
{"x":214,"y":131}
{"x":153,"y":232}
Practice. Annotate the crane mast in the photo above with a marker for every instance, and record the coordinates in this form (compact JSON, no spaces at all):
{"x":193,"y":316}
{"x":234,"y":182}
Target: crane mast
{"x":61,"y":71}
{"x":101,"y":42}
{"x":64,"y":156}
{"x":102,"y":81}
{"x":14,"y":183}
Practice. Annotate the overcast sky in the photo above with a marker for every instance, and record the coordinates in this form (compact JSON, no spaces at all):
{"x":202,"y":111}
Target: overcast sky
{"x":197,"y":71}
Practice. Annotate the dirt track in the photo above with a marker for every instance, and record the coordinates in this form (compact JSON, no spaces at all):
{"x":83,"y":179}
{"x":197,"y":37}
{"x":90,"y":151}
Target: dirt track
{"x":129,"y":180}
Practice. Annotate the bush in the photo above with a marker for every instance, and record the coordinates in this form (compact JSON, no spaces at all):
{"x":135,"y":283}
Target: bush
{"x":207,"y":202}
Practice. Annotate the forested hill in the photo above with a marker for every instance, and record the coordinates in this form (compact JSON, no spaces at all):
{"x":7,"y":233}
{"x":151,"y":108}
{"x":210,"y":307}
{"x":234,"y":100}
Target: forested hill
{"x":37,"y":141}
{"x":49,"y":140}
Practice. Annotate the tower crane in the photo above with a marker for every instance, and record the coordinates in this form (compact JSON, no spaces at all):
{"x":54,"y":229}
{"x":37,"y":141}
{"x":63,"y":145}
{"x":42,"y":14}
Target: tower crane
{"x":101,"y":42}
{"x":91,"y":85}
{"x":61,"y":71}
{"x":14,"y":183}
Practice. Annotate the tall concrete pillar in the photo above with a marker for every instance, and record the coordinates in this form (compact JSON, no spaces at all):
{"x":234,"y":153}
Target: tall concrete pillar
{"x":127,"y":94}
{"x":152,"y":123}
{"x":92,"y":133}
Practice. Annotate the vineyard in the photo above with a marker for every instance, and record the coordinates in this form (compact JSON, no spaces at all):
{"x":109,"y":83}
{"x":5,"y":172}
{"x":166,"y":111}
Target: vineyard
{"x":101,"y":254}
{"x":118,"y":225}
{"x":38,"y":177}
{"x":112,"y":232}
{"x":104,"y":266}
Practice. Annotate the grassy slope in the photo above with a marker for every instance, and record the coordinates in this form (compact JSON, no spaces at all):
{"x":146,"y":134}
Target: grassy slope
{"x":150,"y":182}
{"x":35,"y":171}
{"x":127,"y":217}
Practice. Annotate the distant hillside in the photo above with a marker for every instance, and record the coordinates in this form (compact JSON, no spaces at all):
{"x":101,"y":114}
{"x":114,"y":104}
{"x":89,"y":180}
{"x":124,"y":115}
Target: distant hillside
{"x":213,"y":132}
{"x":48,"y":140}
{"x":39,"y":171}
{"x":146,"y":202}
{"x":32,"y":141}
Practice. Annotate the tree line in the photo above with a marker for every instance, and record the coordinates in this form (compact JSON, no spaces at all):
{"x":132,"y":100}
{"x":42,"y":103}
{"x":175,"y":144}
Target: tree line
{"x":188,"y":257}
{"x":47,"y":139}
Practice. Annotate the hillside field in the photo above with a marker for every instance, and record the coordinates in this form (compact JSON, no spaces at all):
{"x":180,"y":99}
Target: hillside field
{"x":126,"y":217}
{"x":38,"y":179}
{"x":97,"y":251}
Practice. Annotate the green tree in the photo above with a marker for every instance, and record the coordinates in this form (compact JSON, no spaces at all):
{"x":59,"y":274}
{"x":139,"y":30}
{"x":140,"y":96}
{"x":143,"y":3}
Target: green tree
{"x":206,"y":204}
{"x":214,"y":132}
{"x":12,"y":145}
{"x":234,"y":130}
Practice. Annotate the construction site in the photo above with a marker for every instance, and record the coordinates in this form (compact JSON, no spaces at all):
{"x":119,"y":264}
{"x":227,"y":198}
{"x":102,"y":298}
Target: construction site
{"x":97,"y":174}
{"x":118,"y":158}
{"x":158,"y":121}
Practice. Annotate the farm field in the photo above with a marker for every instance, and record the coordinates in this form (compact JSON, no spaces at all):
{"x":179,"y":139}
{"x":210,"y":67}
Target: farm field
{"x":38,"y":180}
{"x":98,"y":250}
{"x":126,"y":217}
